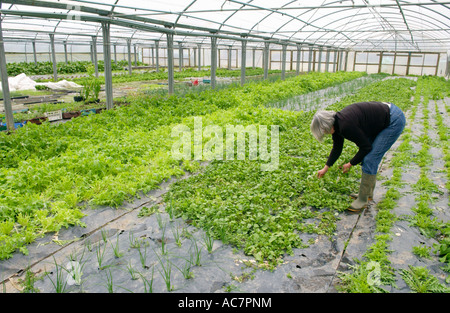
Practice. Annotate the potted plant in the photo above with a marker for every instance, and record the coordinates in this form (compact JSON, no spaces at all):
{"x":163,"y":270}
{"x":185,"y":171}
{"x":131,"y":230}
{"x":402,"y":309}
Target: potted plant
{"x":96,"y":87}
{"x":80,"y":97}
{"x":85,"y":92}
{"x":91,"y":90}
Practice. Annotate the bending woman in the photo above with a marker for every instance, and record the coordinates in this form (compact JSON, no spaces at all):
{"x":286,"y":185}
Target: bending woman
{"x":373,"y":127}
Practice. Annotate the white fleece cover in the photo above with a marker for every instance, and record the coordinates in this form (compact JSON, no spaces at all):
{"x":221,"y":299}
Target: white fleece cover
{"x":23,"y":82}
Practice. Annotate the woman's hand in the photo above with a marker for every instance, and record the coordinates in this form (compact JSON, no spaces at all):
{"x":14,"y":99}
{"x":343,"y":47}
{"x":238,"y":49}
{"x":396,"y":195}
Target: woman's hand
{"x":322,"y":171}
{"x":346,"y":167}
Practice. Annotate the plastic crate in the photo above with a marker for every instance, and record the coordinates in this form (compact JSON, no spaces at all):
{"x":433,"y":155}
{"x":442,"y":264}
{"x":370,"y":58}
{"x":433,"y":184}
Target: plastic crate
{"x":54,"y":115}
{"x":88,"y":111}
{"x":3,"y":126}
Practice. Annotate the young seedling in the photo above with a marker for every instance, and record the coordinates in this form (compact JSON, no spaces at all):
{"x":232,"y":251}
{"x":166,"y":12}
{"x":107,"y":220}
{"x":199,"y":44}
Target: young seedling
{"x":176,"y":234}
{"x":159,"y":220}
{"x":74,"y":268}
{"x":134,"y":273}
{"x":60,"y":283}
{"x":170,"y":210}
{"x":74,"y":272}
{"x":134,"y":242}
{"x":163,"y":241}
{"x":143,"y":256}
{"x":89,"y":245}
{"x":209,"y":242}
{"x":166,"y":272}
{"x":148,"y":284}
{"x":100,"y":255}
{"x":186,"y":270}
{"x":197,"y":252}
{"x":104,"y":235}
{"x":109,"y":282}
{"x":28,"y":282}
{"x":115,"y":247}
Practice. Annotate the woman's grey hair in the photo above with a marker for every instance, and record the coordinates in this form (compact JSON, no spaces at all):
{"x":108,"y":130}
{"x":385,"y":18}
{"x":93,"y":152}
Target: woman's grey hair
{"x":322,"y":123}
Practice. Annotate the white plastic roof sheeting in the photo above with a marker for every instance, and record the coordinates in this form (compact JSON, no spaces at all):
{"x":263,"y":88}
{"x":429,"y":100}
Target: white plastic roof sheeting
{"x":389,"y":25}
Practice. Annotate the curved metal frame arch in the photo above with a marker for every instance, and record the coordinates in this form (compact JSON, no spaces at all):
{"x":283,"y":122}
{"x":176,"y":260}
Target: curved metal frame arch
{"x":366,"y":27}
{"x":335,"y":12}
{"x":348,"y":9}
{"x":341,"y":34}
{"x":278,"y":12}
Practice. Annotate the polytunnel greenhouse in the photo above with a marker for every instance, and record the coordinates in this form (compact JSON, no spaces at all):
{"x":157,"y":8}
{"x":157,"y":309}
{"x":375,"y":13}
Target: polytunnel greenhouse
{"x":170,"y":147}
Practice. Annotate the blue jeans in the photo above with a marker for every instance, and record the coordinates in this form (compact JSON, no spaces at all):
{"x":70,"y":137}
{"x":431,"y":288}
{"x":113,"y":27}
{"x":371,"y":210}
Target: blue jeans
{"x":384,"y":141}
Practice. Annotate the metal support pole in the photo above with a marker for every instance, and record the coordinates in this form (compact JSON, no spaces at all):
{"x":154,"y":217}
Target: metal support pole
{"x":135,"y":55}
{"x":65,"y":52}
{"x":310,"y":58}
{"x":346,"y":60}
{"x":157,"y":55}
{"x":437,"y":64}
{"x":334,"y":60}
{"x":129,"y":55}
{"x":199,"y":57}
{"x":297,"y":66}
{"x":339,"y":66}
{"x":91,"y":53}
{"x":189,"y":57}
{"x":34,"y":52}
{"x":170,"y":62}
{"x":180,"y":55}
{"x":243,"y":61}
{"x":254,"y":58}
{"x":94,"y":54}
{"x":408,"y":63}
{"x":319,"y":65}
{"x":115,"y":54}
{"x":283,"y":62}
{"x":195,"y":56}
{"x":314,"y":60}
{"x":5,"y":84}
{"x":266,"y":59}
{"x":108,"y":68}
{"x":447,"y":70}
{"x":153,"y":56}
{"x":393,"y":64}
{"x":327,"y":60}
{"x":52,"y":46}
{"x":229,"y":58}
{"x":380,"y":61}
{"x":213,"y":61}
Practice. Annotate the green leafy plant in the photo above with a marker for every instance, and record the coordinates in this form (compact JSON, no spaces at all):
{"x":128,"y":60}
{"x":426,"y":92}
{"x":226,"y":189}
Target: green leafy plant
{"x":145,"y":211}
{"x":420,"y":280}
{"x":422,"y":251}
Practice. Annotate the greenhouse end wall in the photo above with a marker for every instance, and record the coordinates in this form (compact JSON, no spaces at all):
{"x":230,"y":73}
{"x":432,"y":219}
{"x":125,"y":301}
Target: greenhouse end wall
{"x":394,"y":63}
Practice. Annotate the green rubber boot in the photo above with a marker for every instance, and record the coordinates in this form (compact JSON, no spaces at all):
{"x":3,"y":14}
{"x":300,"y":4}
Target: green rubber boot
{"x":365,"y":189}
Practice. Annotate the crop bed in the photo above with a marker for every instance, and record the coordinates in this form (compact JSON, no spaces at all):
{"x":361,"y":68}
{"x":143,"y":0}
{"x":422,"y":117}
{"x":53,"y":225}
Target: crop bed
{"x":98,"y":204}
